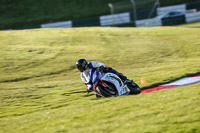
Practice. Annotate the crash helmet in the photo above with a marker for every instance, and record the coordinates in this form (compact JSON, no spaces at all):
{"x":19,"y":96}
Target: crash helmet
{"x":81,"y":64}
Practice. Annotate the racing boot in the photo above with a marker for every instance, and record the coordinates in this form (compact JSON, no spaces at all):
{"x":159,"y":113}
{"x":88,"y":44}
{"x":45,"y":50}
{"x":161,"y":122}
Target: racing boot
{"x":128,"y":81}
{"x":122,"y":77}
{"x":125,"y":79}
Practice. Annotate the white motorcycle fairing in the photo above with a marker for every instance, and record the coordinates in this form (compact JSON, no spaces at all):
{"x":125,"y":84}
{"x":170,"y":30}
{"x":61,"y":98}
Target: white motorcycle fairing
{"x":117,"y":82}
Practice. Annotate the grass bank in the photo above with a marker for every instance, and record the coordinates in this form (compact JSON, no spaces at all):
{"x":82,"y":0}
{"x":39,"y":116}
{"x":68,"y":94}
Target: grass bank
{"x":41,"y":90}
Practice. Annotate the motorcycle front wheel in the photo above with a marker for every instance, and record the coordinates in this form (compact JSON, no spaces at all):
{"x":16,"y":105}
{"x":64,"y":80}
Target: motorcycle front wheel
{"x":100,"y":89}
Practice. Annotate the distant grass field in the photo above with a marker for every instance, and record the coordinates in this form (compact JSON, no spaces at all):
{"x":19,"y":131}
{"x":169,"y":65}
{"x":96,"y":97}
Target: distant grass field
{"x":26,"y":13}
{"x":41,"y":89}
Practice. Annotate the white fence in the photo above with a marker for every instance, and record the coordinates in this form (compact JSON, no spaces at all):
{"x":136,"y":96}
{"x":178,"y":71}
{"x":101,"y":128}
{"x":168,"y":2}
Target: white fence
{"x":120,"y":18}
{"x":64,"y":24}
{"x":149,"y":22}
{"x":115,"y":19}
{"x":166,"y":9}
{"x":192,"y":17}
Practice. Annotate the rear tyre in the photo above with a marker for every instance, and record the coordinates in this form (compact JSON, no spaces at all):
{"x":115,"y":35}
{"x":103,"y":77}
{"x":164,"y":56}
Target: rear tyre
{"x":134,"y":88}
{"x":103,"y":92}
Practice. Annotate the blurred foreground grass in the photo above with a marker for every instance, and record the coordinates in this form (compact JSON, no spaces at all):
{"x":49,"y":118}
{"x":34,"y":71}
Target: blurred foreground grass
{"x":41,"y":91}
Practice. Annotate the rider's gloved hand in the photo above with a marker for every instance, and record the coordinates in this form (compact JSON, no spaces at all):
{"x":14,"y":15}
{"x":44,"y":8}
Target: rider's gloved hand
{"x":89,"y":88}
{"x":100,"y":68}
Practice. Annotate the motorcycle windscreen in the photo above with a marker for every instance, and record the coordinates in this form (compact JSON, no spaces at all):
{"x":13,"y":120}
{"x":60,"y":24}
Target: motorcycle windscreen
{"x":87,"y":76}
{"x":95,"y":77}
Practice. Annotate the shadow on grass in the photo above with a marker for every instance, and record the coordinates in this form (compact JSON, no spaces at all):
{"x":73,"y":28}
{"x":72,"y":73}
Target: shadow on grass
{"x":78,"y":92}
{"x":42,"y":75}
{"x":73,"y":92}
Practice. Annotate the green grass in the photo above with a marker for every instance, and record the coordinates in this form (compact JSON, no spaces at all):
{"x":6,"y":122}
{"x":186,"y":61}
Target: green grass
{"x":41,"y":89}
{"x":26,"y":13}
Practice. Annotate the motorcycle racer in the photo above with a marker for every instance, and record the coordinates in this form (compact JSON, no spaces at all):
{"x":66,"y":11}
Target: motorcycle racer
{"x":84,"y":67}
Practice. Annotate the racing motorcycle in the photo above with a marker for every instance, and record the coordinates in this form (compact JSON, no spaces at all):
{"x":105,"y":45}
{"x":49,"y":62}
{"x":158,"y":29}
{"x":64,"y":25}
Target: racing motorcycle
{"x":109,"y":84}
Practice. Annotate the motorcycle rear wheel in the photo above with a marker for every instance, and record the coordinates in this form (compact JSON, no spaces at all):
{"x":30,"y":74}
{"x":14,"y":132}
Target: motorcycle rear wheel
{"x":134,"y":89}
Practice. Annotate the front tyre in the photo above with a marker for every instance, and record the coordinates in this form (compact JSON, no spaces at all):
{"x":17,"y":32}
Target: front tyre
{"x":103,"y":92}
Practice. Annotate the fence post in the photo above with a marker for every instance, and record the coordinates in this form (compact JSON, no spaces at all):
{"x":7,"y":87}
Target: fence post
{"x":134,"y":9}
{"x":157,"y":3}
{"x":112,"y":12}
